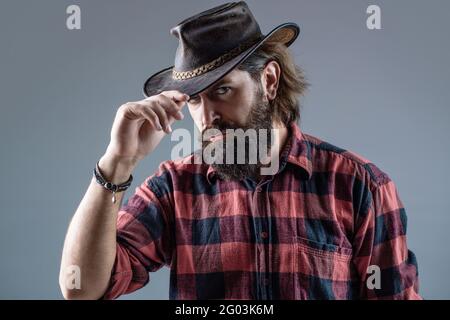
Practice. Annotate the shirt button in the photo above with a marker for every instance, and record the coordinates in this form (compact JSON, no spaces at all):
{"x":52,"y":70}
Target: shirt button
{"x":264,"y":235}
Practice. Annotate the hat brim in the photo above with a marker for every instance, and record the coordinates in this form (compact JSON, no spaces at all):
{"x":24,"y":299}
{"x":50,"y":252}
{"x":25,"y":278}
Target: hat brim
{"x":163,"y":81}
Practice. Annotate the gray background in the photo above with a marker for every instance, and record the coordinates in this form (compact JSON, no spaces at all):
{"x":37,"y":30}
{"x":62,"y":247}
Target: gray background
{"x":383,"y":94}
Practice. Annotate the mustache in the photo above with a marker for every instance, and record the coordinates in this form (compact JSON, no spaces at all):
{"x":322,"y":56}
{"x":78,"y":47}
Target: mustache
{"x":220,"y":126}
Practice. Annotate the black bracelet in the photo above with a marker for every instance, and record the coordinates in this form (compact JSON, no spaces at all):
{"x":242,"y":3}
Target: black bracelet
{"x":109,"y":185}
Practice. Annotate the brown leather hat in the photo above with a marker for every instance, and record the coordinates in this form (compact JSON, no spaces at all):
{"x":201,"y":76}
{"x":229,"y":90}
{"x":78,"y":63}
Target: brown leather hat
{"x":211,"y":44}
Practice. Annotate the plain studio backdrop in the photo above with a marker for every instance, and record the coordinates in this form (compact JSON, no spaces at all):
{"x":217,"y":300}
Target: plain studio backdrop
{"x":380,"y":93}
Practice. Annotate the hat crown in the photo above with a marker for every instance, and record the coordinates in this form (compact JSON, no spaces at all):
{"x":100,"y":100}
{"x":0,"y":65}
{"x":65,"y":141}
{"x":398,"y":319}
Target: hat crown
{"x":210,"y":34}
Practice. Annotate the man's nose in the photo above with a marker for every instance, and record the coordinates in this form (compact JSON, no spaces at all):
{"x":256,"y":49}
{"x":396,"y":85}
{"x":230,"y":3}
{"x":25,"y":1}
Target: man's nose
{"x":208,"y":114}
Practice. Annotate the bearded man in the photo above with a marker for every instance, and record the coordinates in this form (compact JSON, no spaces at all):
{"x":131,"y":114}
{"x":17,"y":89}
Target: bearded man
{"x":323,"y":223}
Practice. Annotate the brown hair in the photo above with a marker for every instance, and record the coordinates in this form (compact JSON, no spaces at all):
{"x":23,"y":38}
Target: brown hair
{"x":292,"y":83}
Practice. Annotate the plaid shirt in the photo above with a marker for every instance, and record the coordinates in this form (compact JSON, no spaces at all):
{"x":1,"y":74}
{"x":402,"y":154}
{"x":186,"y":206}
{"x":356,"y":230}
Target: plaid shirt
{"x":311,"y":231}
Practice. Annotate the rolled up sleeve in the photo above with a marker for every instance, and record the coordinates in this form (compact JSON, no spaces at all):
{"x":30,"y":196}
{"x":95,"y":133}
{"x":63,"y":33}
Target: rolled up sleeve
{"x":144,"y":240}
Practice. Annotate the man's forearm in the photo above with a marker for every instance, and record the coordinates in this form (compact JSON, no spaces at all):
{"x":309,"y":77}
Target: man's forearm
{"x":91,"y":238}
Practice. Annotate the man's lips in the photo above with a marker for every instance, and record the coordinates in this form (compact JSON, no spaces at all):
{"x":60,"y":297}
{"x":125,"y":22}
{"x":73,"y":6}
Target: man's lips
{"x":215,"y":137}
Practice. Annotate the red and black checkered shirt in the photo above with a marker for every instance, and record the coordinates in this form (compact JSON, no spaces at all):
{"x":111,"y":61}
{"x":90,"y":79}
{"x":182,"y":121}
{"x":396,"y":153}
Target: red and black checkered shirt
{"x":320,"y":228}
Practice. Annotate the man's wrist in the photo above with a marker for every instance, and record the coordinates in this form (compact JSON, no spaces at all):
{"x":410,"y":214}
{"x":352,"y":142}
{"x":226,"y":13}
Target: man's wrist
{"x":116,"y":170}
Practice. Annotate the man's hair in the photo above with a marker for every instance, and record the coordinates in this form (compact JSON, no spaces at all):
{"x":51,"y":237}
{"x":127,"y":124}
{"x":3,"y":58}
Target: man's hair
{"x":292,"y":83}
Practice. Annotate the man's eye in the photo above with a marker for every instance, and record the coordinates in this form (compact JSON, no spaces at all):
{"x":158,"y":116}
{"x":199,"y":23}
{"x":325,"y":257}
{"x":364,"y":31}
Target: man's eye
{"x":222,"y":90}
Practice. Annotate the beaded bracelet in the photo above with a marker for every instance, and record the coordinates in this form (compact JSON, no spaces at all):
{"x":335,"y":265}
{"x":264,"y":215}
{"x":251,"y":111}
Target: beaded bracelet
{"x":109,"y":185}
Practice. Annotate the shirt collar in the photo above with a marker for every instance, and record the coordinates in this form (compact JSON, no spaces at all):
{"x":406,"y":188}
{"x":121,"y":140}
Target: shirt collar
{"x":297,"y":151}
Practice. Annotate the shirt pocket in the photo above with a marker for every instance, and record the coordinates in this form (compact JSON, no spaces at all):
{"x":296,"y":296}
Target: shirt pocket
{"x":320,"y":270}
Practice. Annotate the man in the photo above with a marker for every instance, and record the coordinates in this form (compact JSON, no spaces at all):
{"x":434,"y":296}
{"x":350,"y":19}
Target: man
{"x":323,"y":224}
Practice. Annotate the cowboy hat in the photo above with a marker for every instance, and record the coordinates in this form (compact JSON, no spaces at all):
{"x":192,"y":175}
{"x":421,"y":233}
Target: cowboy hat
{"x":211,"y":44}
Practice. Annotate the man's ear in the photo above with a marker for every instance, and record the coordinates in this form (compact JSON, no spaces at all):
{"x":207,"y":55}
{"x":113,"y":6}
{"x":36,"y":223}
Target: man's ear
{"x":271,"y":78}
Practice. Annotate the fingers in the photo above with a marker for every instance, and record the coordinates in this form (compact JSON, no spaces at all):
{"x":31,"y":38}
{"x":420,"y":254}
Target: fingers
{"x":163,"y":117}
{"x":178,"y":97}
{"x":135,"y":111}
{"x":171,"y":107}
{"x":159,"y":110}
{"x":152,"y":117}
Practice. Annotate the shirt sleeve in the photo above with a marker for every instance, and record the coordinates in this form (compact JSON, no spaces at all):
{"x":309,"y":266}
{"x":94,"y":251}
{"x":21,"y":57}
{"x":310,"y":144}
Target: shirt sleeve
{"x":144,"y":238}
{"x":385,"y":266}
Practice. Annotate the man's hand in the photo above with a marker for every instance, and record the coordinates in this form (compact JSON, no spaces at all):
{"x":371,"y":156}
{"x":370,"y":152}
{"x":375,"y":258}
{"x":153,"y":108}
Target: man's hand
{"x":139,"y":126}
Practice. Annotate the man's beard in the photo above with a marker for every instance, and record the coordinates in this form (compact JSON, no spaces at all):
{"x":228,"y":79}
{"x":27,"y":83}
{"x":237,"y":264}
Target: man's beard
{"x":259,"y":119}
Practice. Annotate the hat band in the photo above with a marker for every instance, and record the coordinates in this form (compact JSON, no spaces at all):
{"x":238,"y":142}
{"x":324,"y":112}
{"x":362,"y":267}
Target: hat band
{"x":183,"y":75}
